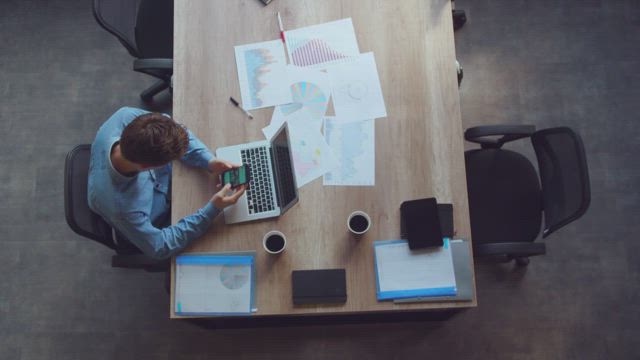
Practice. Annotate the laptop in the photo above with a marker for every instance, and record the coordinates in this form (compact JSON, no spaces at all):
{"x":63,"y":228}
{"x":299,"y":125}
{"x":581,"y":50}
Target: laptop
{"x":272,"y":187}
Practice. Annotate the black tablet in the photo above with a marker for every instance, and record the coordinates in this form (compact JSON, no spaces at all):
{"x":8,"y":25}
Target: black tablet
{"x":420,"y":223}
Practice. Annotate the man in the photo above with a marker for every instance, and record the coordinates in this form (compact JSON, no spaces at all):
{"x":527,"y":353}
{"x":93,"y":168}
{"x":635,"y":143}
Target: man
{"x":130,"y":180}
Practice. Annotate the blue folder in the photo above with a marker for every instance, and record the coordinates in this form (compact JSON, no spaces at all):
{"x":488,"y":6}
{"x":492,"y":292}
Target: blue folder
{"x":243,"y":258}
{"x":412,"y":292}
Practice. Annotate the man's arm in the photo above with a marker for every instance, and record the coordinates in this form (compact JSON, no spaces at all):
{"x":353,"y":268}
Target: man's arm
{"x":163,"y":243}
{"x":200,"y":156}
{"x":197,"y":154}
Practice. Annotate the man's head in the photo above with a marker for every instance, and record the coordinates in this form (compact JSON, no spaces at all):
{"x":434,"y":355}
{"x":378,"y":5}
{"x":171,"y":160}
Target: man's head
{"x":153,"y":139}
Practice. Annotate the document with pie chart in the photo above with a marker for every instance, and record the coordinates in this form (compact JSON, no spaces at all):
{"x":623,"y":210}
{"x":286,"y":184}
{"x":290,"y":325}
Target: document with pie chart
{"x":356,"y":90}
{"x":214,"y":284}
{"x":310,"y":91}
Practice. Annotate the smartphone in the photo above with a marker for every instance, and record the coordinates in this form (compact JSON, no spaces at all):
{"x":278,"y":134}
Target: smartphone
{"x":236,"y":177}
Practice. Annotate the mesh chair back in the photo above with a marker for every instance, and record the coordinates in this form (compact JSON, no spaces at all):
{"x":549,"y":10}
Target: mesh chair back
{"x":154,"y":29}
{"x":79,"y":216}
{"x":564,"y":176}
{"x":119,"y":18}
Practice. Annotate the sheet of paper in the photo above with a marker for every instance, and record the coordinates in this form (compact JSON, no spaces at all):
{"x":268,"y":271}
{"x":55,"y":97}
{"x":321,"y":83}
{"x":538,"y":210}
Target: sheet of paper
{"x":213,"y":288}
{"x":302,"y":116}
{"x":461,"y":254}
{"x":356,"y":90}
{"x":403,"y":272}
{"x":262,"y":74}
{"x":322,"y":44}
{"x":310,"y":91}
{"x":353,"y":144}
{"x":311,"y":154}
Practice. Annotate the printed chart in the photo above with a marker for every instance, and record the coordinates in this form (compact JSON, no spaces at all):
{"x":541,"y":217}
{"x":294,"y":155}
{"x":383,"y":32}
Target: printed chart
{"x":311,"y":154}
{"x":310,"y":92}
{"x":308,"y":52}
{"x":309,"y":95}
{"x":214,"y":284}
{"x":262,"y":74}
{"x":323,"y":44}
{"x":234,"y":277}
{"x":353,"y":144}
{"x":357,"y":92}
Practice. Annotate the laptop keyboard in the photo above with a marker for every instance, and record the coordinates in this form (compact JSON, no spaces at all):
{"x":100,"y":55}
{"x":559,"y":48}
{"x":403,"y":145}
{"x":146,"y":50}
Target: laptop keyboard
{"x":260,"y":193}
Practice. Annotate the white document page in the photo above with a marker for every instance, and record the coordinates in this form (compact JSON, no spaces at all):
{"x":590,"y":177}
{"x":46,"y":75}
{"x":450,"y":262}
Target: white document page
{"x":311,"y":154}
{"x":262,"y":74}
{"x":353,"y":144}
{"x":356,"y":90}
{"x":402,"y":269}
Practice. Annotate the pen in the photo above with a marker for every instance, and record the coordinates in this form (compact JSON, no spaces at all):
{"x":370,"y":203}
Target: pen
{"x":234,"y":102}
{"x":282,"y":36}
{"x":281,"y":27}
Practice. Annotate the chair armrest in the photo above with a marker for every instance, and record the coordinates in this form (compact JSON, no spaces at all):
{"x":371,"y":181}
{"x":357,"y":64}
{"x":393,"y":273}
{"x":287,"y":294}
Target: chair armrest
{"x":519,"y":249}
{"x":139,"y":261}
{"x":152,"y":64}
{"x":478,"y":134}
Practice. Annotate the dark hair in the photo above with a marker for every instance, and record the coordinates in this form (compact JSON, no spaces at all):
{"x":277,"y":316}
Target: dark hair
{"x":153,"y":139}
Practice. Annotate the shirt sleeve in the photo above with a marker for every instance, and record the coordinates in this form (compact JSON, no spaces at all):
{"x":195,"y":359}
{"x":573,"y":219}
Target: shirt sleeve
{"x":197,"y":154}
{"x":163,"y":243}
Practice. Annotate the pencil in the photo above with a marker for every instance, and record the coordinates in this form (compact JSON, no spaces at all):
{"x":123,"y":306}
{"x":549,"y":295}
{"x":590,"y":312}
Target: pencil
{"x":235,"y":102}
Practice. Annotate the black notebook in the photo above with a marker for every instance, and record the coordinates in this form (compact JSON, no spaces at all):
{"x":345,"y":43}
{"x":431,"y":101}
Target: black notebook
{"x":319,"y":286}
{"x":420,"y":223}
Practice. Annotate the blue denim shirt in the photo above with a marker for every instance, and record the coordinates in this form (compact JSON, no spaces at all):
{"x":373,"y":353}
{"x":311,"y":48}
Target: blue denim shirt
{"x":139,"y":206}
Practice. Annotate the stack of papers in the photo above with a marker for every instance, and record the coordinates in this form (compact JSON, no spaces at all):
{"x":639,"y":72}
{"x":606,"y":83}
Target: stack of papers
{"x":461,"y":253}
{"x":404,"y":273}
{"x":325,"y":65}
{"x":215,"y":284}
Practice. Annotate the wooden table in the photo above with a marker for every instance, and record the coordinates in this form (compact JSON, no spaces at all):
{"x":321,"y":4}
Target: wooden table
{"x":419,"y":146}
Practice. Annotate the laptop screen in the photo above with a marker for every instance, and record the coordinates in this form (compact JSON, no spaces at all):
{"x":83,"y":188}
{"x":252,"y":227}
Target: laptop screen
{"x":286,"y":189}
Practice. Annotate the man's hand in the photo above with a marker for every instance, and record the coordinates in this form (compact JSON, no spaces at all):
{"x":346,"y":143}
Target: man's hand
{"x":217,"y":167}
{"x":221,"y":199}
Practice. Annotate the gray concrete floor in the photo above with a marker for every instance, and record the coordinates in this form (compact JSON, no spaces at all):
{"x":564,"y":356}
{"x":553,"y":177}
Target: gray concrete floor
{"x":542,"y":62}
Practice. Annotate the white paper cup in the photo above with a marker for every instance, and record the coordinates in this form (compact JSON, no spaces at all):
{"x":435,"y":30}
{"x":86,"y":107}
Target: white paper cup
{"x":353,"y":227}
{"x":272,"y":244}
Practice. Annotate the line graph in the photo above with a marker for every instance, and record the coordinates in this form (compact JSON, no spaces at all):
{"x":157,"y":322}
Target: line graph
{"x":262,"y":74}
{"x":258,"y":62}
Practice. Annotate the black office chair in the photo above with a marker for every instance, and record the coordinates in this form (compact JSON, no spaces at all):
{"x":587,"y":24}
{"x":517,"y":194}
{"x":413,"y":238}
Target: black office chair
{"x":506,"y":200}
{"x":85,"y":222}
{"x":145,"y":29}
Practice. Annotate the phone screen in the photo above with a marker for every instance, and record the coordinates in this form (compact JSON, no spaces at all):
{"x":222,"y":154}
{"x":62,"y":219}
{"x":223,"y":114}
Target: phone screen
{"x":235,"y":177}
